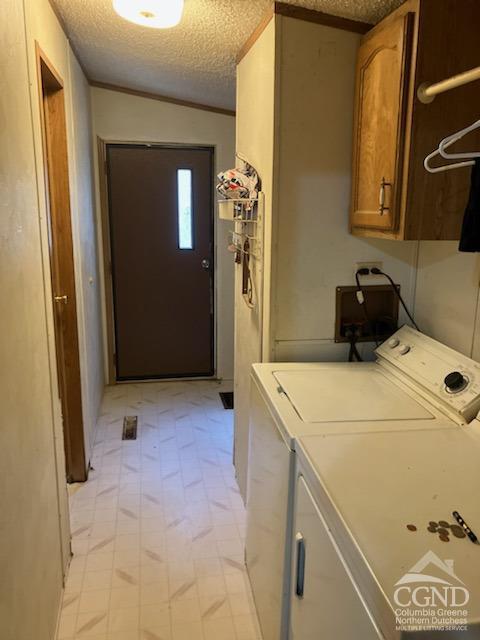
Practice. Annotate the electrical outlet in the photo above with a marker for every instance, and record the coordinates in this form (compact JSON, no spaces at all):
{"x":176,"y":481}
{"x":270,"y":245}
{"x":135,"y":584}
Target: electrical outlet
{"x":371,"y":278}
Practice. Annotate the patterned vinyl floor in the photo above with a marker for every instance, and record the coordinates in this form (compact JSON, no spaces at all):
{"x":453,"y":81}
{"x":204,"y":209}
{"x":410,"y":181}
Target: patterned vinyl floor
{"x":158,"y":529}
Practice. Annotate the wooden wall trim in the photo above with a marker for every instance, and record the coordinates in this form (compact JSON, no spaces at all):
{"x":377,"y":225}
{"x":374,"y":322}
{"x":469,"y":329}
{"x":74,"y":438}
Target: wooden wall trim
{"x":311,"y":15}
{"x":301,"y":13}
{"x":53,"y":125}
{"x":161,"y":98}
{"x":55,"y":80}
{"x":257,"y":32}
{"x":107,"y":257}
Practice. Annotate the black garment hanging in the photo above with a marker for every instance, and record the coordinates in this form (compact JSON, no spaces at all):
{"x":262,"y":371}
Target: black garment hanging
{"x":470,"y":238}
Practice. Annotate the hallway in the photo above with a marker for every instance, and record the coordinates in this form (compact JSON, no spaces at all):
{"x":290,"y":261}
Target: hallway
{"x":158,"y":528}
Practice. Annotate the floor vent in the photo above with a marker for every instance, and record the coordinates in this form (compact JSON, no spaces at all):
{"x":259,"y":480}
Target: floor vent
{"x":130,"y":428}
{"x":227,"y":399}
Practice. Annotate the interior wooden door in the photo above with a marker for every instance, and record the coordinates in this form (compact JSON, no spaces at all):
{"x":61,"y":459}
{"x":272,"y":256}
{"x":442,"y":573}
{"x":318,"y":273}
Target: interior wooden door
{"x":383,"y":70}
{"x":62,"y":267}
{"x":161,"y":235}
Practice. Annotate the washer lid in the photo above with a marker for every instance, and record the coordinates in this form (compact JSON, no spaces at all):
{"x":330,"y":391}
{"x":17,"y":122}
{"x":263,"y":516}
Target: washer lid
{"x":348,"y":395}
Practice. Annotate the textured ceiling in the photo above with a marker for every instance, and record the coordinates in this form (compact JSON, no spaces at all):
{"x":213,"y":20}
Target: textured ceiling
{"x":193,"y":61}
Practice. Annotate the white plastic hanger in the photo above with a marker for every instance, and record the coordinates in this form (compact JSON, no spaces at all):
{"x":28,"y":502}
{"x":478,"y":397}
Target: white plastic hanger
{"x":457,"y":136}
{"x":446,"y":167}
{"x":447,"y":142}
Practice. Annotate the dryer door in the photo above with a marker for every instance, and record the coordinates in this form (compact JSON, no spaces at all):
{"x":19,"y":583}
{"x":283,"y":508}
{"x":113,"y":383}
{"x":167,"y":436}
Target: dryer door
{"x":325,"y":602}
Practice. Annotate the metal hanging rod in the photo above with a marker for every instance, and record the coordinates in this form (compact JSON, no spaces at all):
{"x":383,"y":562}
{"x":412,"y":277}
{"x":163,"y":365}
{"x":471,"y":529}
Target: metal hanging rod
{"x":427,"y":92}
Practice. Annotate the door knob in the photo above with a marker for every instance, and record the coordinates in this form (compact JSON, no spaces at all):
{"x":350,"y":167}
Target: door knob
{"x":61,"y":299}
{"x":206,"y":264}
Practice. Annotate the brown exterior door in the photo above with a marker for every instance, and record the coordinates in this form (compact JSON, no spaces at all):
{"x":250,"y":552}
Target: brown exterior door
{"x":62,"y":266}
{"x":161,"y":237}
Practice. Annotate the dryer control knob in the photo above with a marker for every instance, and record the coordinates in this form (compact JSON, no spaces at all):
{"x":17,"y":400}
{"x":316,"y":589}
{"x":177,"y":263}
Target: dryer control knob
{"x":404,"y":349}
{"x":394,"y":342}
{"x":455,"y":382}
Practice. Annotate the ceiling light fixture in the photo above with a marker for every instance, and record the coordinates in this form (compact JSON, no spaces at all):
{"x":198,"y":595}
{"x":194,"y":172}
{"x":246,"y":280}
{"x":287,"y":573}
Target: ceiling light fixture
{"x":157,"y":14}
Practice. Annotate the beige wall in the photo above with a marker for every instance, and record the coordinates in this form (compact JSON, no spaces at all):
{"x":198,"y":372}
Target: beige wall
{"x":298,"y":133}
{"x":86,"y":248}
{"x":255,"y":143}
{"x":122,"y":117}
{"x":315,"y":252}
{"x":34,"y":528}
{"x":30,"y":541}
{"x":447,"y":296}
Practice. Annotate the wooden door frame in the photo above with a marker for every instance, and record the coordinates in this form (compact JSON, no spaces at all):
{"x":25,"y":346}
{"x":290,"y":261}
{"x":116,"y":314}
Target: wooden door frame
{"x":102,"y":144}
{"x":57,"y":194}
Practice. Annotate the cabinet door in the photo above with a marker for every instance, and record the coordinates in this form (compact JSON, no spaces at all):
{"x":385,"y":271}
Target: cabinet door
{"x":325,"y":601}
{"x":381,"y":97}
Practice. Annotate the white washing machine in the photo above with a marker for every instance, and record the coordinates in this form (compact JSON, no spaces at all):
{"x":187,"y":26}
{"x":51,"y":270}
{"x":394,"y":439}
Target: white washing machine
{"x":404,"y":390}
{"x":362,"y":546}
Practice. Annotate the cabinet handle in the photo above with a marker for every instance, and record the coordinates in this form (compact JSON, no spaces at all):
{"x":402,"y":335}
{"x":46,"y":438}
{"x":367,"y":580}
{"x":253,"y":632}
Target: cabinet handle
{"x":381,"y":198}
{"x":300,"y":581}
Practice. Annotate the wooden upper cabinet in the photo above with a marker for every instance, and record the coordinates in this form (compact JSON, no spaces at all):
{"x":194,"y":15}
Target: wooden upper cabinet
{"x":393,"y":196}
{"x":381,"y":94}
